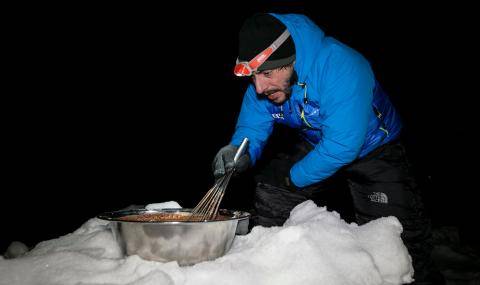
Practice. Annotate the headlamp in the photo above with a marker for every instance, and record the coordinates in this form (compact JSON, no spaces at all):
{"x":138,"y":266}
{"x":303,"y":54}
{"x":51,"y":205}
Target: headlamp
{"x":247,"y":68}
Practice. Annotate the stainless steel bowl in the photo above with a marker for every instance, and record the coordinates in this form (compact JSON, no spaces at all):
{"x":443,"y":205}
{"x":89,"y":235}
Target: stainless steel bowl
{"x":186,"y":242}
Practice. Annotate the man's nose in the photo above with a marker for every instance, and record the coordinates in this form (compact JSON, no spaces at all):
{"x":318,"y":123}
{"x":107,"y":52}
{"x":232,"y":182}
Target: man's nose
{"x":260,"y":85}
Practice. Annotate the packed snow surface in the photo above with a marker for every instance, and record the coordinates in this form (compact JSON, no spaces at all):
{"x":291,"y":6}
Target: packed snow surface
{"x":314,"y":246}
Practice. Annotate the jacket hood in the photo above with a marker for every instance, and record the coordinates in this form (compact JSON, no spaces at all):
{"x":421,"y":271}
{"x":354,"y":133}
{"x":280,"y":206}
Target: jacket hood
{"x":309,"y":40}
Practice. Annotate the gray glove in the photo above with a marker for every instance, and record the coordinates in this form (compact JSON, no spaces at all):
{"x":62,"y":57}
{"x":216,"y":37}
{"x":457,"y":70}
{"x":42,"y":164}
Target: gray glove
{"x":223,"y":161}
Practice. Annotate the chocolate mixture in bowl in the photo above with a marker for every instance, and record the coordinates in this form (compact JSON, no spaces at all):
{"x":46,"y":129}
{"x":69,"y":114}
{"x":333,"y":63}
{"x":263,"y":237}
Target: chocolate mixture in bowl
{"x":164,"y":217}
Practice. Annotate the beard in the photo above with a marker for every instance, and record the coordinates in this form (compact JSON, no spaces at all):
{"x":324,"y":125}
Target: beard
{"x":288,"y":90}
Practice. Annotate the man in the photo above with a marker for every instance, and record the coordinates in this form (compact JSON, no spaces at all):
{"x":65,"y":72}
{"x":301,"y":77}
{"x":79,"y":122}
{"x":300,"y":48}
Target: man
{"x":327,"y":91}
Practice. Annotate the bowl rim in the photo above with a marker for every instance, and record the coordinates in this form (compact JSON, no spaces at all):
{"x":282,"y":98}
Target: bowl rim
{"x":114,"y":216}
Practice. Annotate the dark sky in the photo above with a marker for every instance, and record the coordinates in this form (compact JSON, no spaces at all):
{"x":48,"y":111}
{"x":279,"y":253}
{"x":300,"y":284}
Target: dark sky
{"x":112,"y":106}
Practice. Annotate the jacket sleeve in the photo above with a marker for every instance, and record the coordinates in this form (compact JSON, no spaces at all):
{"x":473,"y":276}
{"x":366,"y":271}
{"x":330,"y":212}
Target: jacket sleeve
{"x":346,"y":103}
{"x":254,"y":122}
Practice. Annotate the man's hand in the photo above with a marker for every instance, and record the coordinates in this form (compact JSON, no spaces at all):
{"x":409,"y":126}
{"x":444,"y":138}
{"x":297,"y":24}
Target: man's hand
{"x":223,"y":161}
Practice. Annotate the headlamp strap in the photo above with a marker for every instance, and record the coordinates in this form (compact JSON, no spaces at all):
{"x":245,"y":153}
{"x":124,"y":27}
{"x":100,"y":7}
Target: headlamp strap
{"x":266,"y":53}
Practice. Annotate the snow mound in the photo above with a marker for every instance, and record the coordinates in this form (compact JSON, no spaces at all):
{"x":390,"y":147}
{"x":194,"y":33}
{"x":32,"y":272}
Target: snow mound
{"x":314,"y":246}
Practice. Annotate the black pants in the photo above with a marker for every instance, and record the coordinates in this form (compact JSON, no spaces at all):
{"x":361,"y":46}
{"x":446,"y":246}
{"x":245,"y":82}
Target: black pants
{"x":381,"y":184}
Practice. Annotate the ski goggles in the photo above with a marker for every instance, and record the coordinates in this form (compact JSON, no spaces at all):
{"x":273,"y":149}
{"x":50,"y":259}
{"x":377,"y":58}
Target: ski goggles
{"x":247,"y":68}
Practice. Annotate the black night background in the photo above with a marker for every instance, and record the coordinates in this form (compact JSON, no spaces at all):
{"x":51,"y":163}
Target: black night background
{"x":106,"y":107}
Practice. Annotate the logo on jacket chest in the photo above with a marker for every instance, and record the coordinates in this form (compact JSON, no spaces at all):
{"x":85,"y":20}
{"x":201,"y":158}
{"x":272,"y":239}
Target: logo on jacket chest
{"x":278,"y":116}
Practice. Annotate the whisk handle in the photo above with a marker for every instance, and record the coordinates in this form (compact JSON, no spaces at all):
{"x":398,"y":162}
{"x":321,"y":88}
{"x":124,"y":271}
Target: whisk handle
{"x":240,"y":150}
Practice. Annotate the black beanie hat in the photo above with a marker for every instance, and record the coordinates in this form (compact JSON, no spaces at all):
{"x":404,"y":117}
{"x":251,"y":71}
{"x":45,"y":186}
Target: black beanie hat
{"x":257,"y":33}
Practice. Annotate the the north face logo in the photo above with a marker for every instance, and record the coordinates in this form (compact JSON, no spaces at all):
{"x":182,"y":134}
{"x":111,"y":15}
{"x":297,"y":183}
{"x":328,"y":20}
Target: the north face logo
{"x":378,"y":197}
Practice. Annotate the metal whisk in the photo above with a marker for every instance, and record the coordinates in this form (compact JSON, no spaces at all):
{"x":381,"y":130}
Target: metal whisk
{"x":207,"y":208}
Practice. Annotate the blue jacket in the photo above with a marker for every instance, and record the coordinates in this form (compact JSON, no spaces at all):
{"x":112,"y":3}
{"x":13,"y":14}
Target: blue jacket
{"x":346,"y":113}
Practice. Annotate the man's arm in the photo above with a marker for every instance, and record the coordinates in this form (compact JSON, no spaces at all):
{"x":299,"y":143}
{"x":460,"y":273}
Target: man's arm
{"x":254,"y":122}
{"x":346,"y":105}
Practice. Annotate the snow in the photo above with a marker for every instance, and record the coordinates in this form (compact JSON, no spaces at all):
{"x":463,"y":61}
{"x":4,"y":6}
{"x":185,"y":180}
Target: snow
{"x":315,"y":246}
{"x":164,"y":205}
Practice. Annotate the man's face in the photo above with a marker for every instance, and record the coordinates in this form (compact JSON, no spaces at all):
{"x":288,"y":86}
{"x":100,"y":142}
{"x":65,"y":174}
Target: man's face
{"x":274,"y":83}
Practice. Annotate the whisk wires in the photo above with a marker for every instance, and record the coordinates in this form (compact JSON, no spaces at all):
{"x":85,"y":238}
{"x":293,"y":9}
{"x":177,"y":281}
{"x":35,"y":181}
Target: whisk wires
{"x":207,"y":208}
